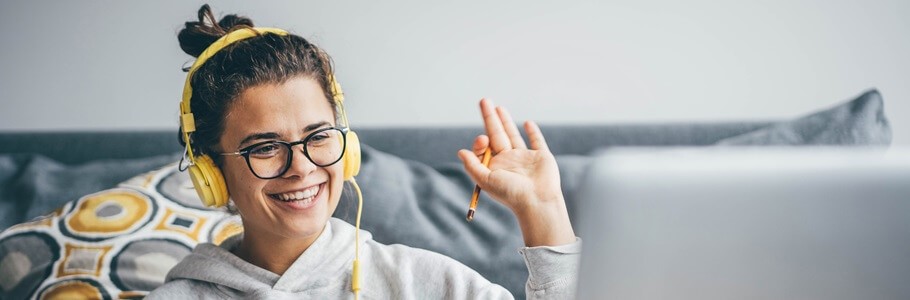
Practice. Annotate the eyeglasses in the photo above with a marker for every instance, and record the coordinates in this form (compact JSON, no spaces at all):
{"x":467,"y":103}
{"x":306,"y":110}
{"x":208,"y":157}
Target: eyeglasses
{"x":271,"y":159}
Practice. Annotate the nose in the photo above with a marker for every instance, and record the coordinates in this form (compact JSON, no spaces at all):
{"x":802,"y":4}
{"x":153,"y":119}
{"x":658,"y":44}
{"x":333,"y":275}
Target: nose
{"x":300,"y":164}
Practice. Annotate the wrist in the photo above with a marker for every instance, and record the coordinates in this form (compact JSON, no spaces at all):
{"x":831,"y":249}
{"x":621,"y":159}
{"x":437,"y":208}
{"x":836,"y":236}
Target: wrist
{"x":545,"y":223}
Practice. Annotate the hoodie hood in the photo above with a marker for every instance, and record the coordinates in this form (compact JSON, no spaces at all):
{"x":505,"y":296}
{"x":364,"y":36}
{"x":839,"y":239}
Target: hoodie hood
{"x":332,"y":254}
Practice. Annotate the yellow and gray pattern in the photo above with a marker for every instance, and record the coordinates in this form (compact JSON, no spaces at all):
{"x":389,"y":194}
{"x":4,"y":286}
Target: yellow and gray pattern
{"x":116,"y":243}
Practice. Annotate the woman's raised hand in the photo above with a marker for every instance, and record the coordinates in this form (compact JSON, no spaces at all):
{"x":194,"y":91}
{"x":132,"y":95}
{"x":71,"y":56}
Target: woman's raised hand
{"x":524,"y":180}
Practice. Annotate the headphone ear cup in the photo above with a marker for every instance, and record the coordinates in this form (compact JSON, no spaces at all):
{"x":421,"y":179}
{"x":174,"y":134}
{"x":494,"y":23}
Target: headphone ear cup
{"x":351,"y":156}
{"x":209,"y":182}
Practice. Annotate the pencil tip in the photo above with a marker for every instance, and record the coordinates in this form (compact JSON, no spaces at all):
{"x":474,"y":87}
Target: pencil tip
{"x":470,"y":215}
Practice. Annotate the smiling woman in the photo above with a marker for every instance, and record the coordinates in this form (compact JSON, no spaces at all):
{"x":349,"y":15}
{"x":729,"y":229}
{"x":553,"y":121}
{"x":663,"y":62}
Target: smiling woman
{"x":264,"y":128}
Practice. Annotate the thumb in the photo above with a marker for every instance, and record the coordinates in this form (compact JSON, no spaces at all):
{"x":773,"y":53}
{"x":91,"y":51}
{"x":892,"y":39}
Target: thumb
{"x":475,"y":168}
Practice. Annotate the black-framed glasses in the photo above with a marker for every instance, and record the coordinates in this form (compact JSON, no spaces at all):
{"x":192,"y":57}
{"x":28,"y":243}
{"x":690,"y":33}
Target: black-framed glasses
{"x":271,"y":159}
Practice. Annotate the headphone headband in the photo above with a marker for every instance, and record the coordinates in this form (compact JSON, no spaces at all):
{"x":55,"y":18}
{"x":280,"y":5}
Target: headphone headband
{"x":186,"y":115}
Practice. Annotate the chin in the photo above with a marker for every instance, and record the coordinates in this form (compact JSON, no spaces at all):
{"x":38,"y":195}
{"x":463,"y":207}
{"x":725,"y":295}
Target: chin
{"x":302,"y":228}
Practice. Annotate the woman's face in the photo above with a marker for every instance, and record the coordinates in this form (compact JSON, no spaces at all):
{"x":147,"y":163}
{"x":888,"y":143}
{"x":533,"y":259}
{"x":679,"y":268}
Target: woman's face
{"x":287,"y":112}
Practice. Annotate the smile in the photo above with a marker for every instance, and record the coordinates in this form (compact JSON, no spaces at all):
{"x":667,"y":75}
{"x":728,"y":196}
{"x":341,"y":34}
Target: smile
{"x":301,"y":197}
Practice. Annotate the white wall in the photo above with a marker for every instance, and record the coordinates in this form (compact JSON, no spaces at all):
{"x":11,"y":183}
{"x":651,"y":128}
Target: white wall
{"x":114,"y":65}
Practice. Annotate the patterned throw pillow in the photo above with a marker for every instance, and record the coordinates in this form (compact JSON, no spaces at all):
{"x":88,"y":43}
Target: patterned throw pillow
{"x":116,"y":243}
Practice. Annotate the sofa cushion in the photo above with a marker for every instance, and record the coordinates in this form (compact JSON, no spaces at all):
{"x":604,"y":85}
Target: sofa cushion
{"x":116,"y":243}
{"x":860,"y":121}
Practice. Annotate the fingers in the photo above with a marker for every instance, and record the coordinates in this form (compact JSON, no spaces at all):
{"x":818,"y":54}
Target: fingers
{"x":499,"y":140}
{"x":481,"y":142}
{"x":475,"y":168}
{"x":535,"y":136}
{"x":510,"y":128}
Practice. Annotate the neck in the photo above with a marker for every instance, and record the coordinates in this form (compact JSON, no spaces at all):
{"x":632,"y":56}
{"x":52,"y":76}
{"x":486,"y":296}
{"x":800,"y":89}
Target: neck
{"x":273,"y":253}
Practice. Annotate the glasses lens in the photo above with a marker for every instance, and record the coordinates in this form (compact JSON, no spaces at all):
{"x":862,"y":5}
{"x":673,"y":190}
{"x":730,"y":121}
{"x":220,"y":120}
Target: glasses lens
{"x":325,"y":147}
{"x":268,"y":160}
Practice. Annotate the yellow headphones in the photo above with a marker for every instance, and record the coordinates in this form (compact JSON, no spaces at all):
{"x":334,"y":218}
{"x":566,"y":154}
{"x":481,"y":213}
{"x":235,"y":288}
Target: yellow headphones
{"x":207,"y":178}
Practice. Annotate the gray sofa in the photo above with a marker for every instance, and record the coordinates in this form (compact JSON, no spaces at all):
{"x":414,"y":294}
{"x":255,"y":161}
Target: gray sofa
{"x":415,"y":190}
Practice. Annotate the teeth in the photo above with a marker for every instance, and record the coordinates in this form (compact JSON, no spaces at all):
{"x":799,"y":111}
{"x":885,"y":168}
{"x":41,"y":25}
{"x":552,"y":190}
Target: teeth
{"x":299,"y":195}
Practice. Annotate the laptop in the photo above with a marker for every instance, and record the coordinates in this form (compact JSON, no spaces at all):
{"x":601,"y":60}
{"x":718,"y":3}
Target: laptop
{"x":746,"y":223}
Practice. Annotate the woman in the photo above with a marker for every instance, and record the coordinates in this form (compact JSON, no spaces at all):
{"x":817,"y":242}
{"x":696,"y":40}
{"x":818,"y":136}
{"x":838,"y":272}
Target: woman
{"x":264,"y":109}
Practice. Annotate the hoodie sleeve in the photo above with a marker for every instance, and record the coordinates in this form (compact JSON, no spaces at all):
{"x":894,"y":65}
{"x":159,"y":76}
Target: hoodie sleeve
{"x":553,"y":270}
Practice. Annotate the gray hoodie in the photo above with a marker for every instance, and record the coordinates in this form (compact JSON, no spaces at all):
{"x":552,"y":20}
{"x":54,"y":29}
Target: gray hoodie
{"x":387,"y":272}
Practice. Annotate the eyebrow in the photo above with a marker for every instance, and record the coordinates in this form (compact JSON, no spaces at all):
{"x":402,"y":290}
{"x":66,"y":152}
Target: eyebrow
{"x":273,"y":135}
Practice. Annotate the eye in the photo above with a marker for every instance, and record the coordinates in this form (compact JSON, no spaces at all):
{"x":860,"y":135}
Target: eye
{"x":265,"y":150}
{"x":320,"y":138}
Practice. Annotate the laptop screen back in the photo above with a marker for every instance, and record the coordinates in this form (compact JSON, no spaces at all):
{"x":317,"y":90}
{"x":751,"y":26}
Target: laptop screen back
{"x":739,"y":223}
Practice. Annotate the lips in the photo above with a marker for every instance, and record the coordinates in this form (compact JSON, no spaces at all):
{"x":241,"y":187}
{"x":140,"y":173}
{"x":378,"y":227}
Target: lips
{"x":301,"y":198}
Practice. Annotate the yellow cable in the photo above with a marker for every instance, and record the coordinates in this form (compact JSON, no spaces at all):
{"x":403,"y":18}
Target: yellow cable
{"x":355,"y":273}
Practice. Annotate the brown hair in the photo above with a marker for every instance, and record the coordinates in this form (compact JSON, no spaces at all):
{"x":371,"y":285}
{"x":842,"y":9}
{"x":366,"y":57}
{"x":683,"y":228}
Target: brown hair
{"x":265,"y":59}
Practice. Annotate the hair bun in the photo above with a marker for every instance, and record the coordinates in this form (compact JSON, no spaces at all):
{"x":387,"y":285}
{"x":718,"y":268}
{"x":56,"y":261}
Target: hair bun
{"x":196,"y":36}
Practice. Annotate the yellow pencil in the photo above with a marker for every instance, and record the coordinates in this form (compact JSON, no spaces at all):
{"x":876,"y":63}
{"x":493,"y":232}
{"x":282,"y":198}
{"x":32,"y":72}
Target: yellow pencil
{"x":486,"y":162}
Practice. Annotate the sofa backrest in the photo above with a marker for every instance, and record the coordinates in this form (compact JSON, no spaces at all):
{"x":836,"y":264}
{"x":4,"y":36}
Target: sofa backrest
{"x":431,"y":145}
